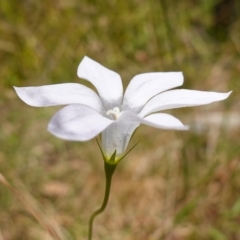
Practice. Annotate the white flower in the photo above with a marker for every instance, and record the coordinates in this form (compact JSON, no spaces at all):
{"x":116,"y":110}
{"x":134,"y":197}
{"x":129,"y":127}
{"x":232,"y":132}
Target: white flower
{"x":110,"y":112}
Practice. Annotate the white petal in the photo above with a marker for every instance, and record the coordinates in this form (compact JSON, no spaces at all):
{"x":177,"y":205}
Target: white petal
{"x":181,"y":98}
{"x":77,"y":122}
{"x":144,"y":86}
{"x":107,"y":82}
{"x":158,"y":120}
{"x":164,"y":121}
{"x":59,"y":94}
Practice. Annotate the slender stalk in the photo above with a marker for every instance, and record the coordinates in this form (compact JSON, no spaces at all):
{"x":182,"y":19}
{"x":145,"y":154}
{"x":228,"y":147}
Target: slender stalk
{"x":109,"y":170}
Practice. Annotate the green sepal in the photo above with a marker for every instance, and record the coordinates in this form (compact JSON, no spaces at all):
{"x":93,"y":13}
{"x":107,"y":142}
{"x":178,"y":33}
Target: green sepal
{"x":128,"y":152}
{"x":101,"y":150}
{"x":112,"y":160}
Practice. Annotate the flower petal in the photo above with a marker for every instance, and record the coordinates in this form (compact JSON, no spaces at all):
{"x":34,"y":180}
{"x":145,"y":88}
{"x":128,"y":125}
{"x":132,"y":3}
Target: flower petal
{"x":181,"y":98}
{"x":144,"y":86}
{"x":77,"y":122}
{"x":157,"y":120}
{"x":164,"y":121}
{"x":107,"y":82}
{"x":59,"y":94}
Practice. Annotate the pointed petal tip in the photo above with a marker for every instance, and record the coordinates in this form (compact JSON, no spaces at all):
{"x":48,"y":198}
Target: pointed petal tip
{"x":186,"y":127}
{"x":179,"y":128}
{"x":86,"y":57}
{"x":182,"y":76}
{"x":178,"y":73}
{"x":181,"y":73}
{"x":16,"y":89}
{"x":182,"y":128}
{"x":224,"y":96}
{"x":229,"y":93}
{"x":20,"y":93}
{"x":80,"y":68}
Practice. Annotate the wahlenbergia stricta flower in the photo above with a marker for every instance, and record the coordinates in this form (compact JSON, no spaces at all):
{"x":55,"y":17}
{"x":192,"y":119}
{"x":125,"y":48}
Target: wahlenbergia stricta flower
{"x":114,"y":115}
{"x":110,"y":112}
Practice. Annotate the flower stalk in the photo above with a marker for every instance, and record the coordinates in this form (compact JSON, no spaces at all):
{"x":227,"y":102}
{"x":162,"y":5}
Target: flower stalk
{"x":109,"y":170}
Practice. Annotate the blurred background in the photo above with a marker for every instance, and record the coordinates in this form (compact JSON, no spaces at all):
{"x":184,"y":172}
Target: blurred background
{"x":173,"y":185}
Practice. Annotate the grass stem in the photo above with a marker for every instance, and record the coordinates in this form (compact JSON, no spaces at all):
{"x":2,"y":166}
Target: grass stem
{"x":31,"y":209}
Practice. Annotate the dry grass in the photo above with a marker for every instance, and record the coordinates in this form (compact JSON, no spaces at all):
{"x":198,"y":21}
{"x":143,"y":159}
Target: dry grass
{"x":174,"y":185}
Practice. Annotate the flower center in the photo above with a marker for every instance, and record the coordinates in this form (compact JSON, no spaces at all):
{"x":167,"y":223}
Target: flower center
{"x":114,"y":113}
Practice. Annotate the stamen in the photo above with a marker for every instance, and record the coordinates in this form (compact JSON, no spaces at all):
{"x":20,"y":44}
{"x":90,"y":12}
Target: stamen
{"x":116,"y":109}
{"x":115,"y":112}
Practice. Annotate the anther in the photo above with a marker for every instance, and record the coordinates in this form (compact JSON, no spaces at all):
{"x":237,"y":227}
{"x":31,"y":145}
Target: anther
{"x":115,"y":112}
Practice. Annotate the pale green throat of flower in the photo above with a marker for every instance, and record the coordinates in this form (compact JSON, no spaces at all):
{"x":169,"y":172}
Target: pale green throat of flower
{"x":115,"y":113}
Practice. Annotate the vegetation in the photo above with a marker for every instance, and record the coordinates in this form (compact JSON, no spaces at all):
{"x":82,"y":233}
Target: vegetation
{"x":173,"y":185}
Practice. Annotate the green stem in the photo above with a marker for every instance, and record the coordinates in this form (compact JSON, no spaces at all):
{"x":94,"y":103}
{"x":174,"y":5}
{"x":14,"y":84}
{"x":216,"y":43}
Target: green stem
{"x":109,"y":170}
